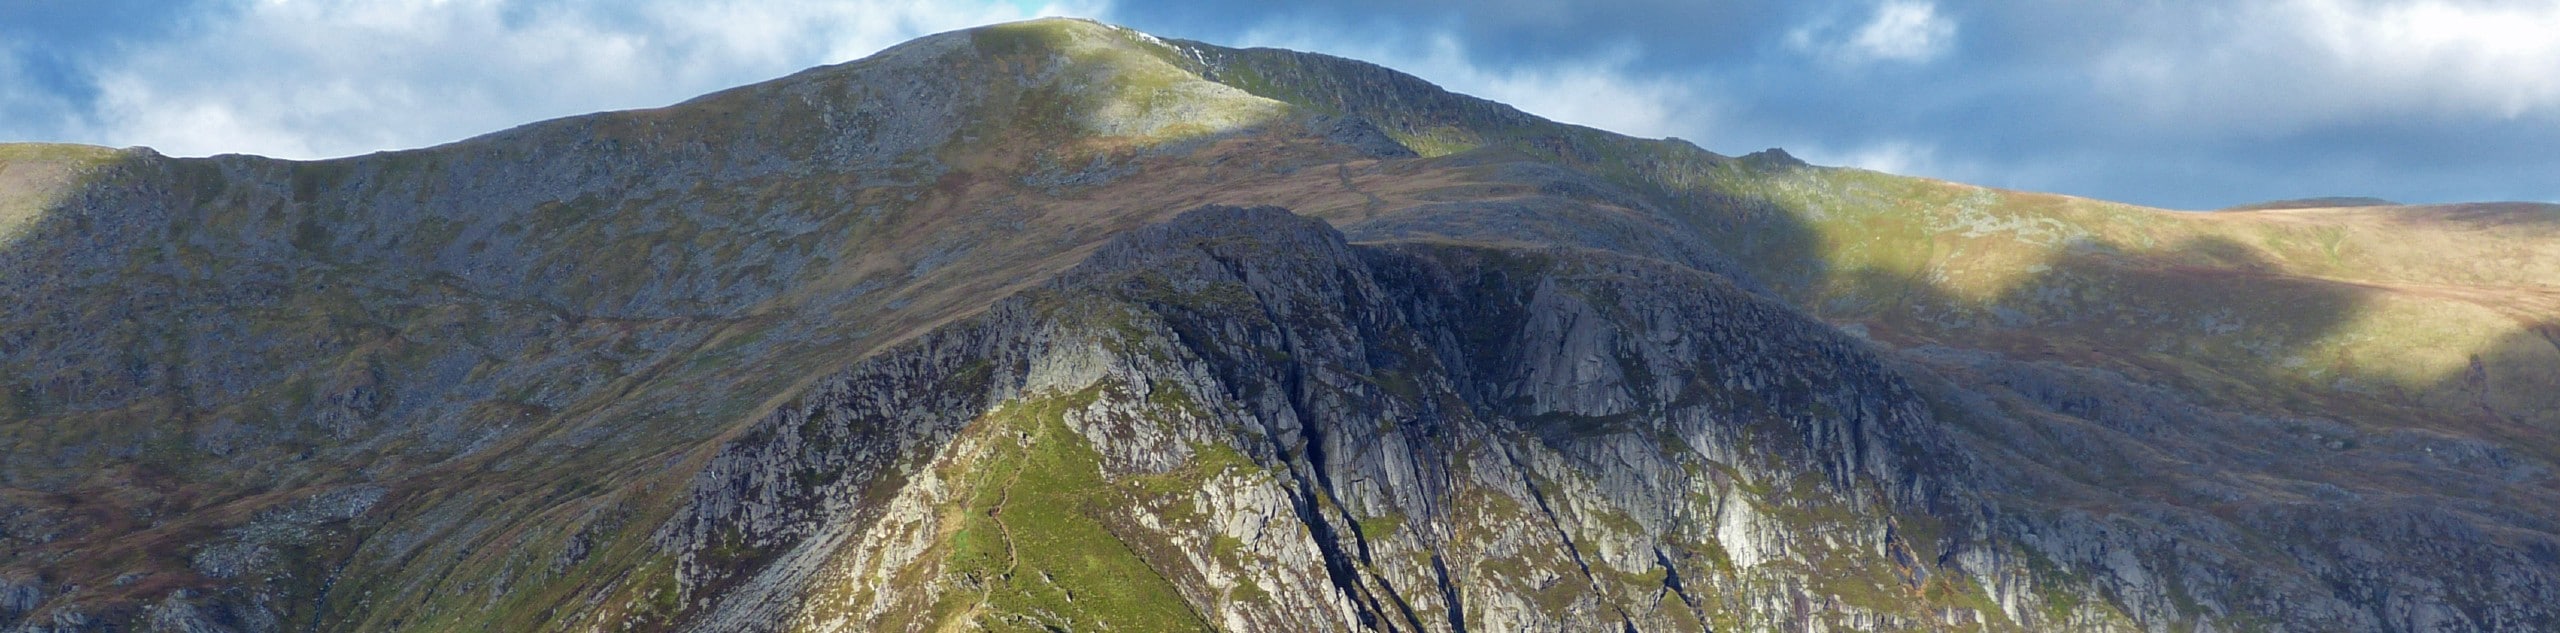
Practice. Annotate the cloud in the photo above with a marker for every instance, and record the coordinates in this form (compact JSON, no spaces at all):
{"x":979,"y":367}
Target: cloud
{"x":1905,"y":31}
{"x":2285,"y":66}
{"x":1893,"y":157}
{"x":1499,"y":33}
{"x":316,"y":78}
{"x":1909,"y":31}
{"x":1602,"y":90}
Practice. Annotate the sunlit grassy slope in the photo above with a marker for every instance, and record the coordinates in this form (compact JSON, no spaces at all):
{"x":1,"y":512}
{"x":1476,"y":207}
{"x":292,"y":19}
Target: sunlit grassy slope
{"x":2316,"y":308}
{"x":35,"y":176}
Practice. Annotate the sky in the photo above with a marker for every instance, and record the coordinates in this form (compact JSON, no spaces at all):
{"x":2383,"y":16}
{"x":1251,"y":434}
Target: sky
{"x":2190,"y":104}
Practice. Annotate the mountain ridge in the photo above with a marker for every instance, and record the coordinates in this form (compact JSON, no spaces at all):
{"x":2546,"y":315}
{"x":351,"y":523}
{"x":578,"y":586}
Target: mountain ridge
{"x":654,"y":294}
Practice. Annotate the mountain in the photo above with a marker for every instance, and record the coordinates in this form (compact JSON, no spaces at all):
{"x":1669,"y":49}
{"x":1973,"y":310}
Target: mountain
{"x":1059,"y":326}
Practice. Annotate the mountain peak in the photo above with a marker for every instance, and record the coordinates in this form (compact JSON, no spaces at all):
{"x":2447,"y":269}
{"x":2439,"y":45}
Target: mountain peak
{"x":1773,"y":158}
{"x":1113,"y":81}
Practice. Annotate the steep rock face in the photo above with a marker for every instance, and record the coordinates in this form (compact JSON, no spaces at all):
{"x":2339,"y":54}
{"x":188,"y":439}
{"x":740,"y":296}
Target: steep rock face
{"x":2189,"y":515}
{"x":1667,"y":433}
{"x":1410,"y":437}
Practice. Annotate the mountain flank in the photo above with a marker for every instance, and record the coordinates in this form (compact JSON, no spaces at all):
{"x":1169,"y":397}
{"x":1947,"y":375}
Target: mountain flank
{"x":1058,"y":326}
{"x":2316,"y":203}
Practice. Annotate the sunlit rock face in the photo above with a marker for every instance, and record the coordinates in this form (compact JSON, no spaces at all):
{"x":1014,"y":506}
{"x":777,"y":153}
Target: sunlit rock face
{"x":1059,"y":326}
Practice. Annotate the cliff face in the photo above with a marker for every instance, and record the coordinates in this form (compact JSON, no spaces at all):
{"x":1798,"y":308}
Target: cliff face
{"x":1264,"y":427}
{"x":990,"y":331}
{"x":1550,"y":439}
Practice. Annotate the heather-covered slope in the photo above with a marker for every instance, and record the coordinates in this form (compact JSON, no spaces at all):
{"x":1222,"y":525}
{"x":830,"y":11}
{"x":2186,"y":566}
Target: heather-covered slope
{"x":517,"y":338}
{"x":909,"y":344}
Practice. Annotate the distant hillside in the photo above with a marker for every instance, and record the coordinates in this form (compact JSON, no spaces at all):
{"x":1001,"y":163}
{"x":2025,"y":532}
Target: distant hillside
{"x":2315,"y":203}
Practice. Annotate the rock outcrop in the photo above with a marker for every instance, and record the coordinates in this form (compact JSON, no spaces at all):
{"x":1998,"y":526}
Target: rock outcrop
{"x":1412,"y":437}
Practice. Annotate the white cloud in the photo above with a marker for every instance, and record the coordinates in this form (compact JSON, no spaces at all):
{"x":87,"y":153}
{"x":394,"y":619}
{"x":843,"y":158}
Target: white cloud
{"x":1892,"y":157}
{"x":1602,"y":92}
{"x":1909,"y":31}
{"x":1904,"y":30}
{"x":1917,"y":158}
{"x":314,"y":78}
{"x":2282,"y":66}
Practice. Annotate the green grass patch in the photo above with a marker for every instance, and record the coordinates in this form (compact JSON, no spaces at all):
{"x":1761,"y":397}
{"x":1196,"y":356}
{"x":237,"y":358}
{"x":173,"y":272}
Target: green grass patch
{"x":1037,"y":543}
{"x":1381,"y":527}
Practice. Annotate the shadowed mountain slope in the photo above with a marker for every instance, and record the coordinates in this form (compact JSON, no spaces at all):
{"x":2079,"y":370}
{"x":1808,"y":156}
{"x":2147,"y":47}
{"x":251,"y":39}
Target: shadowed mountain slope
{"x":1060,"y":326}
{"x":2315,"y":203}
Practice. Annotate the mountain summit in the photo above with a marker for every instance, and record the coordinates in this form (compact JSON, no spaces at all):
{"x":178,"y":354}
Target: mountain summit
{"x":1058,"y":326}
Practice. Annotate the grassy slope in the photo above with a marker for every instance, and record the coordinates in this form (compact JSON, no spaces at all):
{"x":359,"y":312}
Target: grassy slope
{"x":2389,"y":306}
{"x":2396,"y":324}
{"x":2385,"y":306}
{"x":1099,"y":99}
{"x":547,"y":524}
